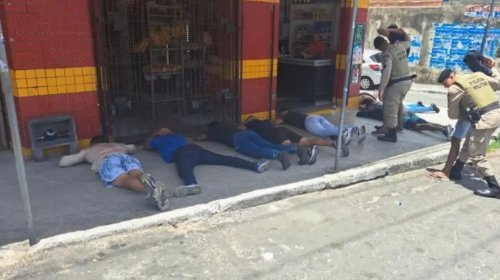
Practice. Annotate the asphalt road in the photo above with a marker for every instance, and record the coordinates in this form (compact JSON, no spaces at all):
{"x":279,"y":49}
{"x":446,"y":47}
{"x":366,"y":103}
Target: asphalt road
{"x":402,"y":227}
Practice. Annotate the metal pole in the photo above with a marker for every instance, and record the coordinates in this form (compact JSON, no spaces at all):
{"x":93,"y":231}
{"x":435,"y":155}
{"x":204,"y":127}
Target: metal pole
{"x":271,"y":77}
{"x":485,"y":36}
{"x":16,"y":139}
{"x":347,"y":83}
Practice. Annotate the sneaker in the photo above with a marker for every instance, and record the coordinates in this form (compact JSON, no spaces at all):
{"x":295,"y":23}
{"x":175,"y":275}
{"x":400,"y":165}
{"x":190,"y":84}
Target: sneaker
{"x":347,"y":135}
{"x":264,"y":166}
{"x":313,"y":155}
{"x":303,"y":154}
{"x":182,"y":191}
{"x":379,"y":132}
{"x":160,"y":197}
{"x":344,"y":151}
{"x":435,"y":108}
{"x":361,"y":134}
{"x":447,"y":132}
{"x":155,"y":191}
{"x":284,"y":159}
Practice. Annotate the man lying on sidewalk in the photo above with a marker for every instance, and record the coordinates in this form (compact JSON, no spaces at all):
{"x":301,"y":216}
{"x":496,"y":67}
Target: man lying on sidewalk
{"x":370,"y":108}
{"x":320,"y":126}
{"x":115,"y":167}
{"x":284,"y":136}
{"x":175,"y":148}
{"x":250,"y":143}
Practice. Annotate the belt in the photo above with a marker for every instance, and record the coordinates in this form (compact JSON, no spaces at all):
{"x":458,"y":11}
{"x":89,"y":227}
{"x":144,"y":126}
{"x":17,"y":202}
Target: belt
{"x":491,"y":107}
{"x":392,"y":82}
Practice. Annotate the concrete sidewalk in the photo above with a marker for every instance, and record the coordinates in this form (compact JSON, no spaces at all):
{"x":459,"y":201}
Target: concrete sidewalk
{"x":428,"y":88}
{"x":71,"y":199}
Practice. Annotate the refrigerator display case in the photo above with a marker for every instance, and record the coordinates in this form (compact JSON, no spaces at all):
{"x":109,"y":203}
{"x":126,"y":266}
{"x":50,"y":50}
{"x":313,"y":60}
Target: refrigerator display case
{"x":309,"y":18}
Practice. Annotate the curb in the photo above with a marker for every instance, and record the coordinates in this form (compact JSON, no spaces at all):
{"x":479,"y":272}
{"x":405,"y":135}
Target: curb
{"x":428,"y":91}
{"x":399,"y":164}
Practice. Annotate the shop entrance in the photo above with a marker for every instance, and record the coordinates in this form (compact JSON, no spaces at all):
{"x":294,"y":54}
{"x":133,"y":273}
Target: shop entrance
{"x":307,"y":43}
{"x":167,"y":62}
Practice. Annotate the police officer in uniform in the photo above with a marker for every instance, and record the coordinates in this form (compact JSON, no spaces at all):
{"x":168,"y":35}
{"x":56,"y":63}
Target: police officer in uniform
{"x":473,"y":96}
{"x":453,"y":167}
{"x":395,"y":82}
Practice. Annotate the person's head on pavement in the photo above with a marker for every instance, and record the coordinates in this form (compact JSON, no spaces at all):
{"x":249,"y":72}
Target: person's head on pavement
{"x":97,"y":140}
{"x":380,"y":43}
{"x":283,"y":112}
{"x":366,"y":103}
{"x":447,"y":78}
{"x":252,"y":118}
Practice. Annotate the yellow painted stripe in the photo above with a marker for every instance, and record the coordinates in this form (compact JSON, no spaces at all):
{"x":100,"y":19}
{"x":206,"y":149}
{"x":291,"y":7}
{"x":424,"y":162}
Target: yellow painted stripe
{"x":352,"y":103}
{"x":347,"y":3}
{"x":341,"y":61}
{"x":363,"y":4}
{"x":84,"y":143}
{"x":259,"y":115}
{"x":259,"y":68}
{"x":36,"y":82}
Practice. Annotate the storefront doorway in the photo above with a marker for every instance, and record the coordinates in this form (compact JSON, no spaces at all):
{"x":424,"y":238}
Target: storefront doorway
{"x":167,"y":62}
{"x":307,"y":44}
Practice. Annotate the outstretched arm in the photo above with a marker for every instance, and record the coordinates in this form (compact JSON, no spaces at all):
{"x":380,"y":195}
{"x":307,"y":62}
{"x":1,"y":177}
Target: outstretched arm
{"x":202,"y":137}
{"x":131,"y":149}
{"x":70,"y":160}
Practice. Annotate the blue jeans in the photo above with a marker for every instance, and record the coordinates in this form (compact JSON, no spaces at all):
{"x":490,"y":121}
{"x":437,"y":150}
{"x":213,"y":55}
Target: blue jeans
{"x":415,"y":108}
{"x":321,"y":126}
{"x":189,"y":156}
{"x":462,"y":128}
{"x":249,"y":143}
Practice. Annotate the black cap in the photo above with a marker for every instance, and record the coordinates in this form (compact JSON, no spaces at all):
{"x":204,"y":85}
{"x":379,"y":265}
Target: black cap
{"x":444,"y":75}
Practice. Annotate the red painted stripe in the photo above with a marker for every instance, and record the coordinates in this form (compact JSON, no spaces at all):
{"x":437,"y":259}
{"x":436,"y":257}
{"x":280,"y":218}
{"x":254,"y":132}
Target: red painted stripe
{"x":257,"y":29}
{"x":255,"y":95}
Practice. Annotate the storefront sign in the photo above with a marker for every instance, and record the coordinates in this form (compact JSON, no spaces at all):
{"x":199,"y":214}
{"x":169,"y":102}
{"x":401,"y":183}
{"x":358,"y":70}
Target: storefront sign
{"x":481,"y":11}
{"x":357,"y":53}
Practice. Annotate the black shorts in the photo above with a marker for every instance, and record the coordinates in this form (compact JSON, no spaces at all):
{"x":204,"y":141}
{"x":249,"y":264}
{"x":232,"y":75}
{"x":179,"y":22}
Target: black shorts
{"x":412,"y":124}
{"x":280,"y":134}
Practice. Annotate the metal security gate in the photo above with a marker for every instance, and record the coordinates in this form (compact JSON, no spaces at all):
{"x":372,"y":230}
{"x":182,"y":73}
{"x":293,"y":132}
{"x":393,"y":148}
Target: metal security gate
{"x":167,"y":62}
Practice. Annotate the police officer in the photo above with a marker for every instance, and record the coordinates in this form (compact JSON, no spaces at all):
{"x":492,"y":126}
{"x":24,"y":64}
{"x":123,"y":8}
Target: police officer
{"x":473,"y":96}
{"x":395,"y":82}
{"x":453,"y":167}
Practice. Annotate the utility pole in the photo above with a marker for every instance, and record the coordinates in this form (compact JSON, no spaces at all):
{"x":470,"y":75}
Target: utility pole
{"x":485,"y":36}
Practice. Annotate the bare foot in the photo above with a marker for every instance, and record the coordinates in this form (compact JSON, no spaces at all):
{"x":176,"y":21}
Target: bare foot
{"x":438,"y":175}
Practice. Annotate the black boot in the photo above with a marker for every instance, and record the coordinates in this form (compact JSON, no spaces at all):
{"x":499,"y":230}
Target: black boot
{"x":493,"y":189}
{"x":456,"y":170}
{"x":390,"y":136}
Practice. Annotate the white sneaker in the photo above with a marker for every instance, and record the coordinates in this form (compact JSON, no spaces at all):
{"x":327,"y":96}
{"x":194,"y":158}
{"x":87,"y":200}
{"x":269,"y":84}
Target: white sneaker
{"x":155,"y":191}
{"x":361,"y":134}
{"x":187,"y":190}
{"x":263,"y":166}
{"x":347,"y":135}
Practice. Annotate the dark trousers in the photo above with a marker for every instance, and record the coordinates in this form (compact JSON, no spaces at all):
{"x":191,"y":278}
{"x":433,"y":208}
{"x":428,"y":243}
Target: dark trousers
{"x":249,"y":143}
{"x":189,"y":156}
